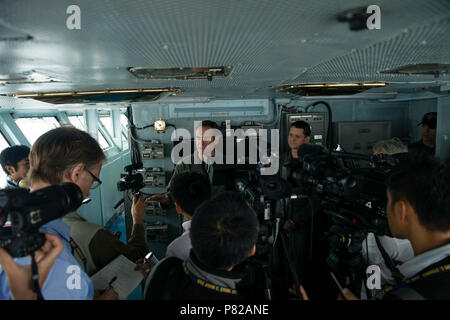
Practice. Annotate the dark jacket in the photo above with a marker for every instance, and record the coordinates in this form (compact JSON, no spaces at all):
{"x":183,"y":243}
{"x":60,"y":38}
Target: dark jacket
{"x":418,"y":148}
{"x":433,"y":287}
{"x":171,"y":282}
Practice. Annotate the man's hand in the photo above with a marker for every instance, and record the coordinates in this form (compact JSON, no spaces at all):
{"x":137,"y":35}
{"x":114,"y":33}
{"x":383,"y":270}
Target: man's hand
{"x":161,"y":198}
{"x":19,"y":277}
{"x":302,"y":292}
{"x":108,"y":294}
{"x":144,"y":268}
{"x":138,"y":209}
{"x":348,"y":295}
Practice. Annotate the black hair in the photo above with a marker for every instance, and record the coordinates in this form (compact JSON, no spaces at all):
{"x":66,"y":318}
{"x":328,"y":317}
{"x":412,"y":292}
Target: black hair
{"x":189,"y":190}
{"x":209,"y":124}
{"x":302,"y":125}
{"x":223,"y":231}
{"x":12,"y":155}
{"x":425,"y":184}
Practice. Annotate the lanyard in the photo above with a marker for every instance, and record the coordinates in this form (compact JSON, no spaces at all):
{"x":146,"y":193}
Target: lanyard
{"x":206,"y":284}
{"x":437,"y":270}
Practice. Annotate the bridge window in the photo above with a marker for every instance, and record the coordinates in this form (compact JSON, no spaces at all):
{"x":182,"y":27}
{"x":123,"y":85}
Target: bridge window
{"x":34,"y":127}
{"x":124,"y":123}
{"x":78,"y":122}
{"x":102,"y":141}
{"x":107,"y":122}
{"x":3,"y":145}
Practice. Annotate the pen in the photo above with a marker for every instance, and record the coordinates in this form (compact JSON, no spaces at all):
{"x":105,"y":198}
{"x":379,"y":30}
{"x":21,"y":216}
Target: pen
{"x":112,"y":280}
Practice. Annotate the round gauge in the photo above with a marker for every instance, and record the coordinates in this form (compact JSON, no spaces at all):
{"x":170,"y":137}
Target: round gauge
{"x":160,"y":125}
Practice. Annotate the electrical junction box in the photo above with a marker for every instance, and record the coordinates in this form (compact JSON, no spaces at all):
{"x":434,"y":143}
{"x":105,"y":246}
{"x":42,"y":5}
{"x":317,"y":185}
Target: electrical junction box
{"x":154,"y":208}
{"x":360,"y":137}
{"x":152,"y":151}
{"x":154,"y":178}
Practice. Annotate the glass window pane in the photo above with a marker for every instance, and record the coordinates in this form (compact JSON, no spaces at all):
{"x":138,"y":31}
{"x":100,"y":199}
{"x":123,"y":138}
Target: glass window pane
{"x":102,"y":141}
{"x":78,"y":122}
{"x":3,"y":145}
{"x":124,"y":123}
{"x":107,"y":123}
{"x":124,"y":142}
{"x":123,"y":120}
{"x":34,"y":127}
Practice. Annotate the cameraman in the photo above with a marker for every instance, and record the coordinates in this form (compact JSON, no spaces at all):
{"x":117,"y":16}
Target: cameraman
{"x":418,"y":209}
{"x":223,"y":233}
{"x":399,"y":250}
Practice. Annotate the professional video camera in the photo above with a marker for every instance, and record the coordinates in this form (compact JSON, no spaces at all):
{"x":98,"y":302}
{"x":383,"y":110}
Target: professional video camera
{"x":271,"y":262}
{"x":29,"y":211}
{"x":348,"y":202}
{"x":132,"y":180}
{"x":320,"y":200}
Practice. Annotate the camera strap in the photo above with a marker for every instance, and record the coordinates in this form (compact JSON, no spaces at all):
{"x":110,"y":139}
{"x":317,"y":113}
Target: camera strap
{"x":387,"y":259}
{"x":76,"y":248}
{"x":35,"y":279}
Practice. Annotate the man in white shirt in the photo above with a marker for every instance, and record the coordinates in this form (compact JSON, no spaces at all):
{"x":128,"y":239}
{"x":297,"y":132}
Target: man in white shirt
{"x":188,"y":191}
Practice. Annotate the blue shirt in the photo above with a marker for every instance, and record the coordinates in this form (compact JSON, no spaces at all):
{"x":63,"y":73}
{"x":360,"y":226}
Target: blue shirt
{"x":63,"y":282}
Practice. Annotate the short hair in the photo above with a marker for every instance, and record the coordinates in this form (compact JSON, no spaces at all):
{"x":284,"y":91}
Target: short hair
{"x":302,"y":125}
{"x":12,"y":155}
{"x":61,"y":149}
{"x":223,"y":231}
{"x":391,"y":146}
{"x":209,"y":124}
{"x":425,"y":184}
{"x":189,"y":189}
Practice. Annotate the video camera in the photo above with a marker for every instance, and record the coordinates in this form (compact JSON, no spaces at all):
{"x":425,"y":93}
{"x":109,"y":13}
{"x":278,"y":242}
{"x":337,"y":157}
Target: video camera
{"x":132,"y":179}
{"x":322,"y":199}
{"x":28,"y":211}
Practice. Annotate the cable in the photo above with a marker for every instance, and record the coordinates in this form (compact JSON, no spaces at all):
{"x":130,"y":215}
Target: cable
{"x":330,"y":119}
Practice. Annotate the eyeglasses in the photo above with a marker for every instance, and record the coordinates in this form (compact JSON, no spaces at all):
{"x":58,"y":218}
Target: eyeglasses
{"x":96,"y":183}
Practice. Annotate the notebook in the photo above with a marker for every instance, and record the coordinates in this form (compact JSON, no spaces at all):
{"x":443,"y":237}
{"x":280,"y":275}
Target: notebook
{"x":127,"y":278}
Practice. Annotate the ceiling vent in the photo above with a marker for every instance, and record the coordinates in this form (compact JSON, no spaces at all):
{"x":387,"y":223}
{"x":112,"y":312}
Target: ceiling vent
{"x":100,"y":96}
{"x":329,"y":89}
{"x":435,"y":69}
{"x":180,"y":73}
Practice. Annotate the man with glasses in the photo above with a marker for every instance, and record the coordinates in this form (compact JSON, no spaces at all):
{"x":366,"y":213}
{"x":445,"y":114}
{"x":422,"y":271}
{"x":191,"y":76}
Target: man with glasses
{"x":67,"y":154}
{"x":95,"y":247}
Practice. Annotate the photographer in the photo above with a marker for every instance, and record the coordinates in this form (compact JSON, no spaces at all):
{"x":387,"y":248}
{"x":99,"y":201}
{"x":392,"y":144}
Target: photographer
{"x":223,"y":233}
{"x":19,"y":276}
{"x":399,"y":250}
{"x":61,"y":155}
{"x":418,"y":209}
